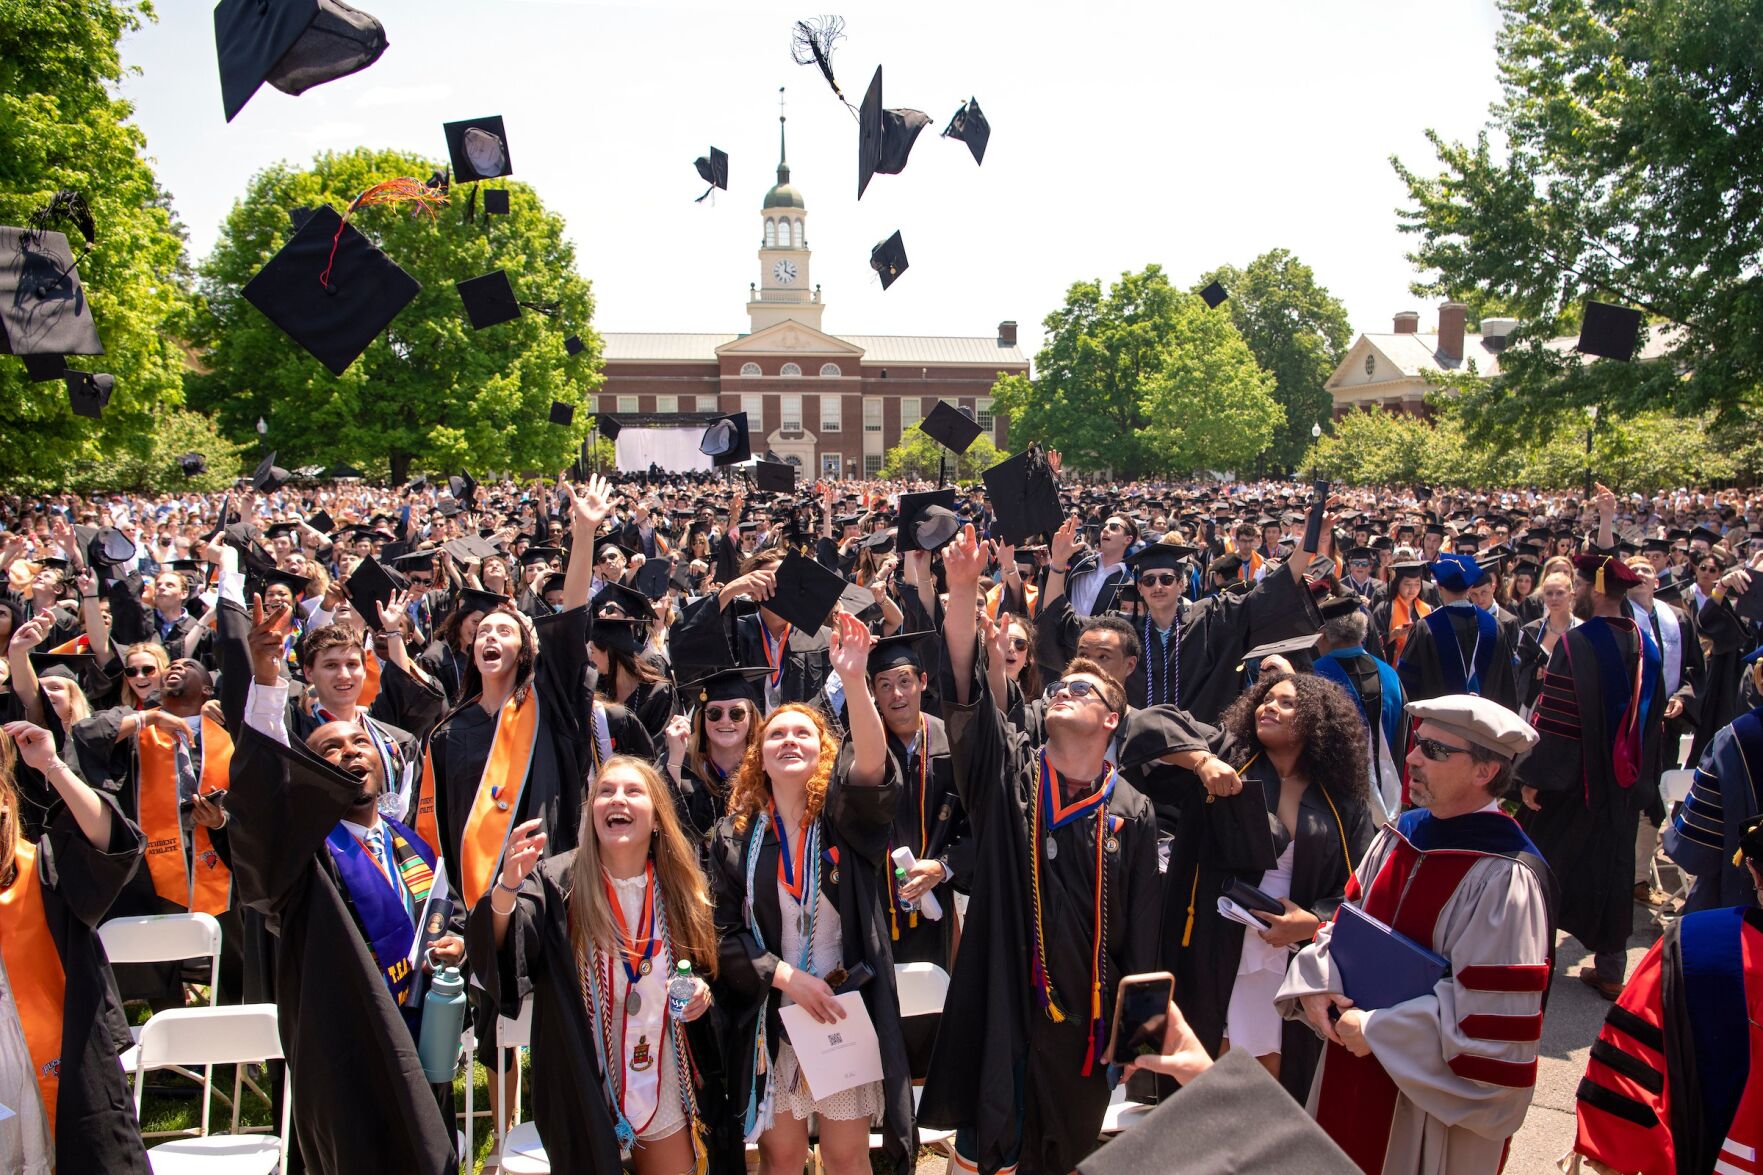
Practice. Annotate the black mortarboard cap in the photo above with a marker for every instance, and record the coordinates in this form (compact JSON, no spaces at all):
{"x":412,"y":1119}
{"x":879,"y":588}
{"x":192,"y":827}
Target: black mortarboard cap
{"x":634,"y":604}
{"x":912,"y":506}
{"x":713,"y":169}
{"x":111,"y":547}
{"x":884,"y":137}
{"x":777,"y":477}
{"x":725,"y":441}
{"x":297,"y":584}
{"x":935,"y":529}
{"x":881,"y":542}
{"x":574,"y":345}
{"x":415,"y":560}
{"x":1706,"y":534}
{"x":610,"y":426}
{"x":889,"y":259}
{"x":293,"y":45}
{"x":1609,"y":331}
{"x":89,"y":392}
{"x":1159,"y":555}
{"x":1233,"y":1117}
{"x":951,"y":427}
{"x":651,"y":578}
{"x":43,"y":307}
{"x":562,"y":413}
{"x":332,"y":303}
{"x":806,"y":592}
{"x":893,"y":651}
{"x":489,"y":299}
{"x":970,"y":126}
{"x":371,"y":585}
{"x":1024,"y":495}
{"x":42,"y":368}
{"x":477,"y":600}
{"x":72,"y":664}
{"x":268,"y":476}
{"x":478,"y":148}
{"x":322,"y":522}
{"x":192,"y":464}
{"x":1214,"y":295}
{"x":495,"y":201}
{"x":725,"y":685}
{"x":277,"y":530}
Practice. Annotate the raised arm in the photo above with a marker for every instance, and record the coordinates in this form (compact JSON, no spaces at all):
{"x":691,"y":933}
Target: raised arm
{"x":1063,"y":545}
{"x":849,"y":653}
{"x":30,"y":634}
{"x":587,"y":510}
{"x":962,"y":561}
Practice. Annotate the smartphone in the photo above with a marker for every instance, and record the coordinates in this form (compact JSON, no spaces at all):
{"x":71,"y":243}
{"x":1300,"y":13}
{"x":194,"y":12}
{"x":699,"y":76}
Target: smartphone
{"x":1141,"y":1014}
{"x":214,"y":797}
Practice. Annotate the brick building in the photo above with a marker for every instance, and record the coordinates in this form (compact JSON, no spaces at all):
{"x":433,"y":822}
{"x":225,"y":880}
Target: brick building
{"x":827,"y":403}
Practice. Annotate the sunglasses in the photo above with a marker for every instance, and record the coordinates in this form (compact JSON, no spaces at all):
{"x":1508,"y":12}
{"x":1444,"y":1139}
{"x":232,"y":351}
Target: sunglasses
{"x":140,"y":671}
{"x":1076,"y":687}
{"x":1437,"y":751}
{"x":1020,"y":644}
{"x":715,"y":713}
{"x":1159,"y":579}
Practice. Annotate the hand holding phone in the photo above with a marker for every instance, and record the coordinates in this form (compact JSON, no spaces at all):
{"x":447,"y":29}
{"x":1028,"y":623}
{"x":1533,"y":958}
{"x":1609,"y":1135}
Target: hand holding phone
{"x":1141,"y":1017}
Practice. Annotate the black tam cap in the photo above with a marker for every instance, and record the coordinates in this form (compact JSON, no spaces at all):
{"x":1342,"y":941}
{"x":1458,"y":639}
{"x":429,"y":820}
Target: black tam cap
{"x":331,"y":289}
{"x":89,"y":392}
{"x":293,"y":45}
{"x":725,"y":441}
{"x":1609,"y":331}
{"x":889,"y":259}
{"x":574,"y":345}
{"x":1214,"y":295}
{"x":43,"y":307}
{"x":713,"y":170}
{"x":885,"y":137}
{"x":725,"y":685}
{"x":489,"y":300}
{"x":951,"y":427}
{"x":777,"y":477}
{"x":477,"y":600}
{"x":1024,"y":495}
{"x":69,"y":665}
{"x":970,"y":126}
{"x":806,"y":592}
{"x":1160,"y":555}
{"x":297,"y":584}
{"x":561,"y":413}
{"x":478,"y":148}
{"x":40,"y":368}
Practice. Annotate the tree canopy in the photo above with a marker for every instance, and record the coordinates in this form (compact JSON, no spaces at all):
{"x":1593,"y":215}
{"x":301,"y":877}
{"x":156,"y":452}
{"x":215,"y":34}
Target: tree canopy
{"x":1142,"y":378}
{"x":429,"y":393}
{"x":1298,"y":333}
{"x":1620,"y":165}
{"x":917,"y":455}
{"x":62,"y":129}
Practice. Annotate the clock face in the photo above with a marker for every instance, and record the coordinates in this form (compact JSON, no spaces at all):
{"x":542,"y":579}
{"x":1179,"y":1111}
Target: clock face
{"x":784,"y":272}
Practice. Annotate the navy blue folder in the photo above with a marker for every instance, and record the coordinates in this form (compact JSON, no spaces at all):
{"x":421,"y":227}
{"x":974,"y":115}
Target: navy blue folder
{"x":1380,"y":966}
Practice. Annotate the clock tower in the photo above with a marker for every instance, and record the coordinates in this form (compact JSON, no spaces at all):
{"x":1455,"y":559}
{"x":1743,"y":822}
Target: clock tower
{"x":784,"y":291}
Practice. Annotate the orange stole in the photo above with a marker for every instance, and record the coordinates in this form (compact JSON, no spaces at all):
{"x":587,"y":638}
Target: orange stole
{"x":33,"y":967}
{"x":1403,"y":614}
{"x":498,"y":796}
{"x":79,"y":644}
{"x":206,"y":889}
{"x":370,"y":689}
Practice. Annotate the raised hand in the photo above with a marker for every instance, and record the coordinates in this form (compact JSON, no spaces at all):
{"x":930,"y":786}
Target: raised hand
{"x":264,"y":641}
{"x":36,"y":746}
{"x":964,"y":560}
{"x":849,"y":650}
{"x":32,"y":632}
{"x":676,"y":736}
{"x":590,"y":506}
{"x":1064,"y":542}
{"x":393,"y":612}
{"x":526,"y":844}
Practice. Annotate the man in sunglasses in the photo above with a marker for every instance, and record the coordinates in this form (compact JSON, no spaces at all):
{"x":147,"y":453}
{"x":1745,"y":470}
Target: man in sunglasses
{"x":1094,"y":578}
{"x":1435,"y":1078}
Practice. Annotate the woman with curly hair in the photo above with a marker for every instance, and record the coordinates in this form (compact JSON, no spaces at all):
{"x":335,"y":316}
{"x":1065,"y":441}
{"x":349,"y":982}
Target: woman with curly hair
{"x":1295,"y":831}
{"x":797,"y":867}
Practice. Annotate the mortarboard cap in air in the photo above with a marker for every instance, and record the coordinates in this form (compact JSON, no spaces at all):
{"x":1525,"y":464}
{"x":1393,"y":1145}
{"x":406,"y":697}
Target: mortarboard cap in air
{"x":725,"y":441}
{"x":884,"y":137}
{"x":293,"y":45}
{"x":1609,"y":331}
{"x":322,"y":522}
{"x":935,"y":528}
{"x":561,"y":413}
{"x":713,"y":170}
{"x":610,"y":426}
{"x":478,"y":148}
{"x":778,"y":477}
{"x":370,"y":585}
{"x":489,"y":300}
{"x":268,"y":476}
{"x":951,"y":427}
{"x":495,"y":201}
{"x":970,"y":126}
{"x":1214,"y":295}
{"x":111,"y":547}
{"x":1024,"y":495}
{"x":574,"y":345}
{"x":192,"y":464}
{"x":889,"y":259}
{"x":43,"y":306}
{"x":912,"y":508}
{"x":41,"y":368}
{"x":89,"y":392}
{"x":805,"y":592}
{"x":331,"y":290}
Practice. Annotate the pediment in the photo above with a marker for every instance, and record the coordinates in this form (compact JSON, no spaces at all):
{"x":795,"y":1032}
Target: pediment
{"x":789,"y":338}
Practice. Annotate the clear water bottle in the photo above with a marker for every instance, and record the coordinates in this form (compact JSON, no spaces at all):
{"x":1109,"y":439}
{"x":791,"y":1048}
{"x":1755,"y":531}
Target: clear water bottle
{"x":680,"y":989}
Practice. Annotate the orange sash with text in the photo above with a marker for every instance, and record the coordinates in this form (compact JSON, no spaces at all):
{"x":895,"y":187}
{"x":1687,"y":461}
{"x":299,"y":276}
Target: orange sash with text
{"x":206,"y":886}
{"x":33,"y":967}
{"x":497,"y":800}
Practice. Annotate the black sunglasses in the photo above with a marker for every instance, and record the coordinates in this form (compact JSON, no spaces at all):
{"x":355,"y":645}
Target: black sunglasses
{"x":140,"y":670}
{"x":1437,"y":751}
{"x":715,"y":713}
{"x":1077,"y":687}
{"x":1160,"y":579}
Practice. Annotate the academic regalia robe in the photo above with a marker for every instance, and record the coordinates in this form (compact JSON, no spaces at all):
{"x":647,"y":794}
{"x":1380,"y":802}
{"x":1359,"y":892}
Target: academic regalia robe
{"x":1376,"y":688}
{"x":1586,"y":829}
{"x":1724,"y":675}
{"x":361,"y":1101}
{"x":708,"y":638}
{"x":994,"y":1027}
{"x":1486,"y":649}
{"x":1726,"y":793}
{"x":1383,"y":622}
{"x":1451,"y":1072}
{"x":652,"y":705}
{"x":855,"y":823}
{"x":700,"y":803}
{"x":446,"y":665}
{"x":94,"y":1115}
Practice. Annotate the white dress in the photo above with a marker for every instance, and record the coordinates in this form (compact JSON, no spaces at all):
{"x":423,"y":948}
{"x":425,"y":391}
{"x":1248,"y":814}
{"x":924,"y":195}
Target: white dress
{"x":1252,"y":1022}
{"x":789,"y":1091}
{"x":652,"y":989}
{"x":25,"y":1145}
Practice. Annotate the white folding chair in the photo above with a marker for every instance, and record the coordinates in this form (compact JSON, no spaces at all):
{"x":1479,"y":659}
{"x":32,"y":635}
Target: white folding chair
{"x":233,"y":1035}
{"x":922,"y":989}
{"x":166,"y":938}
{"x":1674,"y":789}
{"x":523,"y":1152}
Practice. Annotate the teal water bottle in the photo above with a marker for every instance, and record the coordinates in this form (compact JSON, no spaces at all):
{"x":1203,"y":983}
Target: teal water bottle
{"x":443,"y":1021}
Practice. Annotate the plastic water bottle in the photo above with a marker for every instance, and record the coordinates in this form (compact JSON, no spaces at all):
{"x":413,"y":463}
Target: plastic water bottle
{"x":443,"y":1021}
{"x":680,"y":989}
{"x":928,"y":905}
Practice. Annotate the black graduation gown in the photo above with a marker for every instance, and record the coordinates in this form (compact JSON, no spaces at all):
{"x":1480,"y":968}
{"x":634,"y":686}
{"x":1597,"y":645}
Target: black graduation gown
{"x":856,"y":822}
{"x":446,"y":665}
{"x":1423,"y":678}
{"x":993,"y":1027}
{"x":806,"y":662}
{"x":1724,"y":679}
{"x":652,"y":705}
{"x":95,"y":1127}
{"x":361,"y":1101}
{"x":1586,"y":828}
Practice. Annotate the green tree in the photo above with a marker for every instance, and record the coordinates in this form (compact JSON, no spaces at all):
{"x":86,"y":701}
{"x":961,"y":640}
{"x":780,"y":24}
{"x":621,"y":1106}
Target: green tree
{"x":1103,"y":393}
{"x":917,"y":455}
{"x":1298,"y":332}
{"x":172,"y":433}
{"x":1372,"y":447}
{"x":61,"y":128}
{"x":1626,"y":171}
{"x":430,"y":393}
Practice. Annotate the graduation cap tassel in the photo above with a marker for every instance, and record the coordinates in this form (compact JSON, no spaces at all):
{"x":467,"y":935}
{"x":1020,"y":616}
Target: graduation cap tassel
{"x":67,"y":204}
{"x":812,"y":44}
{"x":402,"y":190}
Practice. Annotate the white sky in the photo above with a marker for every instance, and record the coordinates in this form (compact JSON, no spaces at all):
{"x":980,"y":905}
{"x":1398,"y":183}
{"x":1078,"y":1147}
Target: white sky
{"x":1122,"y":134}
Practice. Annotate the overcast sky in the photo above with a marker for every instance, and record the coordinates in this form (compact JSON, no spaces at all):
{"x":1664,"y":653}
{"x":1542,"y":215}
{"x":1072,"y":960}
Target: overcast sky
{"x":1122,"y":134}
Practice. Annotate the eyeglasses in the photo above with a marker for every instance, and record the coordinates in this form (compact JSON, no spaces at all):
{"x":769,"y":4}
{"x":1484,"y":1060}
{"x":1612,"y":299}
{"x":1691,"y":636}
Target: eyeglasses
{"x":715,"y":713}
{"x":1020,"y":644}
{"x":141,"y":671}
{"x":1159,"y":579}
{"x":1077,"y":688}
{"x":1437,"y":751}
{"x":1358,"y":563}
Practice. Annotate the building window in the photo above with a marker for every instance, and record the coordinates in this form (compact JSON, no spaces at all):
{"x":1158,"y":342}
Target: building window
{"x":983,"y":410}
{"x":753,"y":404}
{"x":667,"y":404}
{"x":790,"y":369}
{"x":627,"y":405}
{"x":872,"y":463}
{"x":832,"y":413}
{"x":770,"y":233}
{"x":790,"y":409}
{"x":750,"y":369}
{"x":707,"y":404}
{"x":872,"y":413}
{"x":911,"y":412}
{"x":783,"y":233}
{"x":831,"y":370}
{"x":801,"y":238}
{"x":830,"y":466}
